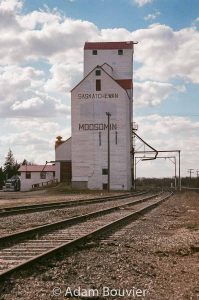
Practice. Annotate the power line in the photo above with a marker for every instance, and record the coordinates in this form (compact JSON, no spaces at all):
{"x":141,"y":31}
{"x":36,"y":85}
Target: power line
{"x":172,"y":115}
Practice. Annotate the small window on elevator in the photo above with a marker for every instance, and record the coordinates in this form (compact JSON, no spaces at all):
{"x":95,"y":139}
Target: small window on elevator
{"x":98,"y":72}
{"x":105,"y":186}
{"x":104,"y":171}
{"x":98,"y":85}
{"x":94,"y":52}
{"x":120,"y":52}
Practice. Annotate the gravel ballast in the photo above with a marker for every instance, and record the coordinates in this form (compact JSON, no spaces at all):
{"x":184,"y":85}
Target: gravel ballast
{"x":13,"y":224}
{"x":155,"y":257}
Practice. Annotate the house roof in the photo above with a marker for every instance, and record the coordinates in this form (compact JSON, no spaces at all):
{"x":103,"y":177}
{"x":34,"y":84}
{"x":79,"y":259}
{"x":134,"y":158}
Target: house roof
{"x":37,"y":168}
{"x":108,"y":45}
{"x":125,"y":83}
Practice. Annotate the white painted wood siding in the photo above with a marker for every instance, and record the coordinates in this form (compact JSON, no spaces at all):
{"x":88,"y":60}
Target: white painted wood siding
{"x":26,"y":184}
{"x":88,"y":157}
{"x":62,"y":152}
{"x":122,"y":64}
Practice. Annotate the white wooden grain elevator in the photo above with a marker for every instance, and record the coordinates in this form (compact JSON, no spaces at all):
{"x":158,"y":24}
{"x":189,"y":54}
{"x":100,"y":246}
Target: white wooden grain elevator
{"x":106,"y":87}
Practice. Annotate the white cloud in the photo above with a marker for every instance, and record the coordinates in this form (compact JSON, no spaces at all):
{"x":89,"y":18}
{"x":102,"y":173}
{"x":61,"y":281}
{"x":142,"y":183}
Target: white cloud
{"x":28,"y":104}
{"x":152,"y":17}
{"x":166,"y":54}
{"x":49,"y":37}
{"x":152,"y":93}
{"x":10,"y":5}
{"x":59,"y":40}
{"x":169,"y":133}
{"x":32,"y":139}
{"x":37,"y":19}
{"x":41,"y":34}
{"x":141,"y":3}
{"x":29,"y":145}
{"x":64,"y":77}
{"x":171,"y":125}
{"x":195,"y":22}
{"x":22,"y":93}
{"x":36,"y":124}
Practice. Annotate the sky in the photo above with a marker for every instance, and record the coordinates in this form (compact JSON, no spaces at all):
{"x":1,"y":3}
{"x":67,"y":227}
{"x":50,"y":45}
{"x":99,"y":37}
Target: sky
{"x":41,"y":60}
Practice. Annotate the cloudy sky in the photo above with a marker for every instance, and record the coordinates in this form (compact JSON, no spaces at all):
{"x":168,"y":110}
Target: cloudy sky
{"x":41,"y":59}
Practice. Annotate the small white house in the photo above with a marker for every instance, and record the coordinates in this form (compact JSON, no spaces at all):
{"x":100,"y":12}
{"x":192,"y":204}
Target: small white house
{"x":35,"y":175}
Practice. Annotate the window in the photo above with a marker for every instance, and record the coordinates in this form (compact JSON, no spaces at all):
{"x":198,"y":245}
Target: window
{"x":28,"y":175}
{"x":98,"y":85}
{"x":120,"y":52}
{"x":53,"y":173}
{"x":43,"y":175}
{"x":104,"y":171}
{"x":94,"y":52}
{"x":36,"y":185}
{"x":105,"y":186}
{"x":98,"y":72}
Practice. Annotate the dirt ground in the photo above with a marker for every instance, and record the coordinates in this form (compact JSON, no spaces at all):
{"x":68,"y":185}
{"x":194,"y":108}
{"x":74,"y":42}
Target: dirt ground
{"x":153,"y":258}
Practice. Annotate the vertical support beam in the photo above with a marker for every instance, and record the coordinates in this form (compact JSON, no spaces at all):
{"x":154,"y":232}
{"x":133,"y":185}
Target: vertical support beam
{"x":179,"y":183}
{"x":133,"y":166}
{"x":108,"y":152}
{"x":134,"y":179}
{"x":175,"y":172}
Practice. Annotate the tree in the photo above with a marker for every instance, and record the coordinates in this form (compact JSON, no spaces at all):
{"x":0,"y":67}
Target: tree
{"x":10,"y":166}
{"x":26,"y":163}
{"x":2,"y":178}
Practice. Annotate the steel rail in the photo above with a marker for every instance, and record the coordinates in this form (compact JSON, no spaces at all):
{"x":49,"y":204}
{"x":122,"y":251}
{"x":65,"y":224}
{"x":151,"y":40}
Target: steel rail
{"x":68,"y":245}
{"x":69,"y":221}
{"x":15,"y":210}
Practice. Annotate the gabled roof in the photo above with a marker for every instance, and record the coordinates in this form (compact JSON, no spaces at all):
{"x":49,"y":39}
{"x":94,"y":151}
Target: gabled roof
{"x":108,"y":45}
{"x":126,"y":84}
{"x":37,"y":168}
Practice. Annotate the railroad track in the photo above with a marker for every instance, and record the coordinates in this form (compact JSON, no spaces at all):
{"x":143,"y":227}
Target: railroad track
{"x":27,"y":247}
{"x":10,"y":211}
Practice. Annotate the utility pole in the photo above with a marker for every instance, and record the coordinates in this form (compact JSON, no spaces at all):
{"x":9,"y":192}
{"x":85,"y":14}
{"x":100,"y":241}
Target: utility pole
{"x":179,"y":174}
{"x":174,"y":162}
{"x":108,"y":152}
{"x":190,"y":171}
{"x":163,"y":151}
{"x":134,"y":128}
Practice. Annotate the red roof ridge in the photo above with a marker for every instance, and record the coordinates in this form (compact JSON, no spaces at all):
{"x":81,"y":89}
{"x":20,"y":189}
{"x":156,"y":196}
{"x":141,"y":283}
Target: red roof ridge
{"x":108,"y":45}
{"x":123,"y":83}
{"x":37,"y":168}
{"x":127,"y":84}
